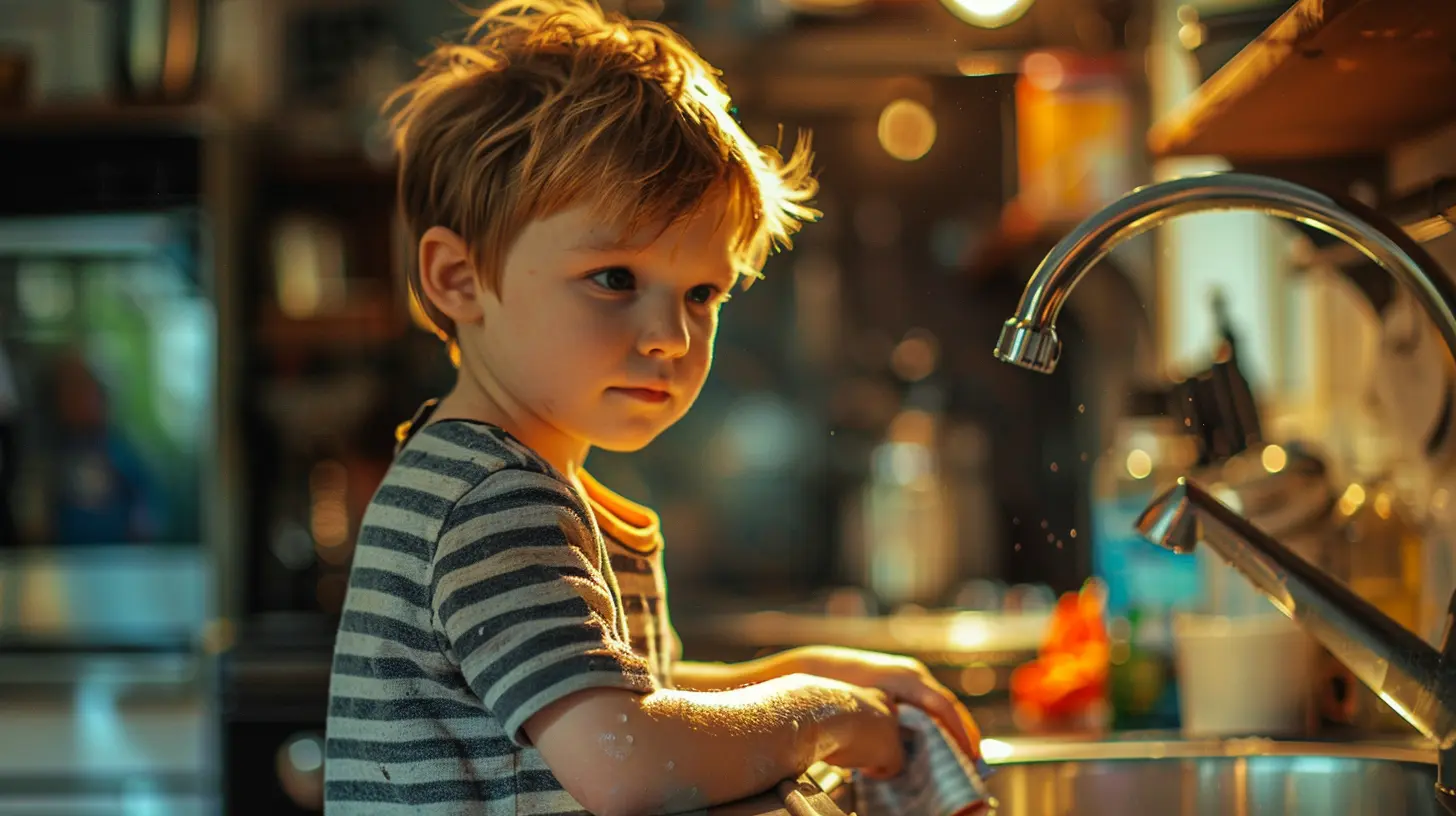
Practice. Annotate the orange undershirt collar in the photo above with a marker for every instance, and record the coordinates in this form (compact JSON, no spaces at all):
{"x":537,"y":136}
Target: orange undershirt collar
{"x":622,"y":519}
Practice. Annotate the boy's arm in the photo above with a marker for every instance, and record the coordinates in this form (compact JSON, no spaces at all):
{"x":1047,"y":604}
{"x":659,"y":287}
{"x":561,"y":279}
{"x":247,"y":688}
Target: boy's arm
{"x":904,"y":679}
{"x":621,"y":754}
{"x":693,"y":675}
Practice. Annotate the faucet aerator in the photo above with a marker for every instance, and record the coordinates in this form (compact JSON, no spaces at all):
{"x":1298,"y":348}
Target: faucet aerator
{"x":1029,"y":346}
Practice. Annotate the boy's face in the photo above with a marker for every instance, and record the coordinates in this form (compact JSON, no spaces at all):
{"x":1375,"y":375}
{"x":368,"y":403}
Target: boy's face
{"x":607,"y":338}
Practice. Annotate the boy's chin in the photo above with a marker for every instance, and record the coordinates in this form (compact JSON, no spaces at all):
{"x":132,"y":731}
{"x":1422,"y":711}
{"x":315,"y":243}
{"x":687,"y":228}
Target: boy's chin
{"x":626,"y":440}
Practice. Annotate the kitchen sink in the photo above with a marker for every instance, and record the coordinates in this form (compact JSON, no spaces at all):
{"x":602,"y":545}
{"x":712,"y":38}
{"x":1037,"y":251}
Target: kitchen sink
{"x":1249,"y":777}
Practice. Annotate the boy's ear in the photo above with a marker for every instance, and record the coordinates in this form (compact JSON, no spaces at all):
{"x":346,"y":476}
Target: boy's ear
{"x":448,"y":277}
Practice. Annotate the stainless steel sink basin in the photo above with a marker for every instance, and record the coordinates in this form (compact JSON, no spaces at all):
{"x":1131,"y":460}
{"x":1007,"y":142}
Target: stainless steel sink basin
{"x":1213,"y":778}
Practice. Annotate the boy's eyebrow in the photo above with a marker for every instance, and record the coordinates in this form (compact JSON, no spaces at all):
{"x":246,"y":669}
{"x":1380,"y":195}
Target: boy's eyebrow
{"x":602,"y":242}
{"x":614,"y":242}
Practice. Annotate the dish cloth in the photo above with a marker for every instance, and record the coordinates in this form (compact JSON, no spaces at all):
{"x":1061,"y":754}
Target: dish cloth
{"x":938,"y":779}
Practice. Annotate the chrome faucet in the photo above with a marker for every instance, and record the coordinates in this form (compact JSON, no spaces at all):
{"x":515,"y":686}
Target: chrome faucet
{"x":1416,"y":680}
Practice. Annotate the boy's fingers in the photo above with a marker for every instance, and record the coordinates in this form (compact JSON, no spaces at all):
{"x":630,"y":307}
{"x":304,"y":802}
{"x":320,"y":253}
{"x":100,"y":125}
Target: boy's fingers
{"x":941,"y":704}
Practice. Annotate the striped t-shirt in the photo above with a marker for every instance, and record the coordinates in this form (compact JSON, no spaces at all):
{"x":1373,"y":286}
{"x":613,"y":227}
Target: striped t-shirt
{"x":482,"y":590}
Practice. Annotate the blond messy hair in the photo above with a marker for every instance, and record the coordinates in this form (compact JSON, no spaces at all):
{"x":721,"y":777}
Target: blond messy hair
{"x":550,"y":104}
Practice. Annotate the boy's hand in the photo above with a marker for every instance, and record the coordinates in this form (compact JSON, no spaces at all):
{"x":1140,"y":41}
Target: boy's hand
{"x":903,"y":679}
{"x":863,"y":728}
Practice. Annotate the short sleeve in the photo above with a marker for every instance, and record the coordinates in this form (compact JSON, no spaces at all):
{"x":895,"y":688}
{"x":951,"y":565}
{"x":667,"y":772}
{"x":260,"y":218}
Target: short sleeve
{"x":519,"y":594}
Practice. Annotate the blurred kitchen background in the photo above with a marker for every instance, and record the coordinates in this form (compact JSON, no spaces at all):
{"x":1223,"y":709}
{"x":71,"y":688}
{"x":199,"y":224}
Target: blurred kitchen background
{"x":205,"y":346}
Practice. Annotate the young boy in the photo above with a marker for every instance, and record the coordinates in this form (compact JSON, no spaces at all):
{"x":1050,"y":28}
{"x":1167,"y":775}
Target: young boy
{"x":583,"y":204}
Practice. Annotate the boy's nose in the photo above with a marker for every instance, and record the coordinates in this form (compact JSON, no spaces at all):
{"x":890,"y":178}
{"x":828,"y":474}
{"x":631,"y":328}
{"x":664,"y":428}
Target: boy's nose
{"x":665,"y":333}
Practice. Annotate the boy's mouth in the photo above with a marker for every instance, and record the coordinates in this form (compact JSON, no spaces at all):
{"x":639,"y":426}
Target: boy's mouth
{"x":652,"y":395}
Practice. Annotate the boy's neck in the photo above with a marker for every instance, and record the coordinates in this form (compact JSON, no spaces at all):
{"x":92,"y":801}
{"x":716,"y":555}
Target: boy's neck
{"x":470,"y":401}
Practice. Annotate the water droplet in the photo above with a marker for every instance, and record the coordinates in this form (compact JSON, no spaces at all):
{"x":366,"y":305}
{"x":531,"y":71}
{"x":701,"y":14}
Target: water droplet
{"x":614,"y":748}
{"x":671,"y":764}
{"x":1016,"y":519}
{"x":1084,"y":456}
{"x":622,"y":717}
{"x":630,"y":739}
{"x":1081,"y":409}
{"x":1059,"y":543}
{"x":1043,"y":524}
{"x":1054,"y":467}
{"x":1074,"y":532}
{"x":1187,"y":423}
{"x":1051,"y":538}
{"x":1018,"y":546}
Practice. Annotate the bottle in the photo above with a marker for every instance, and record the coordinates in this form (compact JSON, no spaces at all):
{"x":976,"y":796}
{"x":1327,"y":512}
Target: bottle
{"x":907,"y":552}
{"x":1385,"y":553}
{"x":1384,"y":565}
{"x":1149,"y":453}
{"x":1146,"y":584}
{"x":1141,"y":687}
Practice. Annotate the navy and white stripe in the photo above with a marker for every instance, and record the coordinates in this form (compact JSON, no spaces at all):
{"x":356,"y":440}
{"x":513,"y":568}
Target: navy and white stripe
{"x":481,"y":592}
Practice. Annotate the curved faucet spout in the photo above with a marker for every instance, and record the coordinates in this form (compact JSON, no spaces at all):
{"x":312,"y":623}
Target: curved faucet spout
{"x":1029,"y":338}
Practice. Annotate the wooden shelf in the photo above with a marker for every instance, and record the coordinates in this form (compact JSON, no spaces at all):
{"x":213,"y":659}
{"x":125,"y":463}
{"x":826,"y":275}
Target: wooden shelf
{"x":1328,"y":78}
{"x":108,"y":116}
{"x":364,"y":322}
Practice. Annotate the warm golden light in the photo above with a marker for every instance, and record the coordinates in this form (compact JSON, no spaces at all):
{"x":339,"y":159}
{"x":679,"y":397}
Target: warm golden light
{"x":1139,"y":464}
{"x":914,"y":357}
{"x":1382,"y":505}
{"x":418,"y":316}
{"x":1191,"y":35}
{"x":978,"y":680}
{"x":988,"y":13}
{"x":968,"y":632}
{"x":995,"y":750}
{"x":1044,"y":70}
{"x":1274,"y":458}
{"x":329,"y":515}
{"x":1353,"y":497}
{"x":907,"y":129}
{"x":982,"y":65}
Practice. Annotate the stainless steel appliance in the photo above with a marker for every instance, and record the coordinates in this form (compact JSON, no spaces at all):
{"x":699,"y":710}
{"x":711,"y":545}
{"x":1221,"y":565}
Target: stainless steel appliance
{"x":113,"y":231}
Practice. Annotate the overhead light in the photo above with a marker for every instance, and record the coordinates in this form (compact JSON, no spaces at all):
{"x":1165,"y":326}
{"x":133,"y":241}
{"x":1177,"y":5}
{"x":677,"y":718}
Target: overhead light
{"x":988,"y":63}
{"x":988,"y":13}
{"x":906,"y":129}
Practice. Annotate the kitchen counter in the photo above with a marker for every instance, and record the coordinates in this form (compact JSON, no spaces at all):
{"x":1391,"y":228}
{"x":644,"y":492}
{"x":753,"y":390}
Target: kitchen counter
{"x":954,"y":635}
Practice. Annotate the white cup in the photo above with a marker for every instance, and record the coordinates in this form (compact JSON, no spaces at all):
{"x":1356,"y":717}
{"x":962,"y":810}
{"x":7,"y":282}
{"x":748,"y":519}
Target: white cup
{"x":1243,"y":676}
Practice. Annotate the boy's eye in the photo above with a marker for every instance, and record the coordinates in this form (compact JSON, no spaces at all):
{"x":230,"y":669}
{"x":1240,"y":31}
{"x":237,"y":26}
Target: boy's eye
{"x":702,"y":294}
{"x":617,"y":279}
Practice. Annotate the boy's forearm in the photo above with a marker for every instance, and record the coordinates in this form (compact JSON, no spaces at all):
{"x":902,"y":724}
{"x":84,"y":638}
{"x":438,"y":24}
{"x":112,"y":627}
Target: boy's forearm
{"x":692,"y":675}
{"x":674,"y":751}
{"x":726,"y":745}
